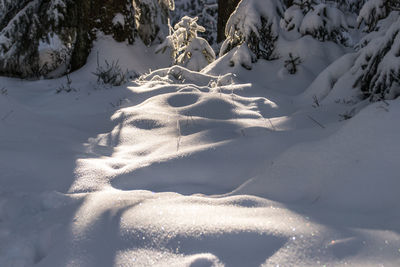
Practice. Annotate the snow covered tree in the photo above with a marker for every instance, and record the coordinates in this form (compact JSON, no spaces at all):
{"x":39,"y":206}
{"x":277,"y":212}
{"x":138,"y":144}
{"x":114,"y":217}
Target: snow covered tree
{"x":52,"y":37}
{"x":31,"y":39}
{"x":374,"y":69}
{"x":377,"y":68}
{"x":375,"y":10}
{"x":293,"y":17}
{"x":325,"y":23}
{"x":151,"y":19}
{"x":9,"y":8}
{"x":322,"y":21}
{"x":188,"y":49}
{"x":349,"y":5}
{"x":255,"y":24}
{"x":306,"y":5}
{"x":112,"y":17}
{"x":205,"y":10}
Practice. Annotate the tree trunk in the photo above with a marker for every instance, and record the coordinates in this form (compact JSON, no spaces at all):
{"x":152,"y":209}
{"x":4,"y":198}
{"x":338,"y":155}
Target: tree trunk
{"x":28,"y":26}
{"x":225,"y":9}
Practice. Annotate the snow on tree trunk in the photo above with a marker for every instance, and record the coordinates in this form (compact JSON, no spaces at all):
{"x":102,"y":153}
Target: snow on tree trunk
{"x":255,"y":23}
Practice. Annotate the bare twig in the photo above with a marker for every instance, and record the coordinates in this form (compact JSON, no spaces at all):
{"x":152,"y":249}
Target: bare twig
{"x":178,"y":129}
{"x":7,"y":115}
{"x":319,"y":124}
{"x":4,"y":91}
{"x":270,"y":122}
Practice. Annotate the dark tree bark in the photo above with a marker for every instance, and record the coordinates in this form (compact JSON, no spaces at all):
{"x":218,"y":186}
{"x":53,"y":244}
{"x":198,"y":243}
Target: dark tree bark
{"x":225,"y":9}
{"x":89,"y":15}
{"x":288,"y":3}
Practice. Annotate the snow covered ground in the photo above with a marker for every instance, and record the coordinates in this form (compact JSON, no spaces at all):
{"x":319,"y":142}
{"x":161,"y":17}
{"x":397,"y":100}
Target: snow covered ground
{"x":225,"y":167}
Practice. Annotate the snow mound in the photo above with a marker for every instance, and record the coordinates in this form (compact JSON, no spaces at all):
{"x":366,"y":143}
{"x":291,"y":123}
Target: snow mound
{"x":344,"y":175}
{"x":197,"y":169}
{"x":173,"y":122}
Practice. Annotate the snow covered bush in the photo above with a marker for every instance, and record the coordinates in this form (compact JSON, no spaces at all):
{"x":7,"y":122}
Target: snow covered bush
{"x":110,"y":73}
{"x":255,"y":24}
{"x":187,"y":49}
{"x":325,"y":23}
{"x":67,"y":87}
{"x":292,"y":19}
{"x":291,"y":63}
{"x":205,"y":10}
{"x":377,"y":67}
{"x":322,"y":21}
{"x":243,"y":57}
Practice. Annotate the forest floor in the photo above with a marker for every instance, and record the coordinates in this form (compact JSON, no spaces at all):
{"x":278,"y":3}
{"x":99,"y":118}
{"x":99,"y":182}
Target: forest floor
{"x":227,"y":167}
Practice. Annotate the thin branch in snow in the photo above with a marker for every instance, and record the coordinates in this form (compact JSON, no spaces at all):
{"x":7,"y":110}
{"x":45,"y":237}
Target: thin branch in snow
{"x":319,"y":124}
{"x":270,"y":122}
{"x":7,"y":115}
{"x":179,"y":135}
{"x":3,"y":91}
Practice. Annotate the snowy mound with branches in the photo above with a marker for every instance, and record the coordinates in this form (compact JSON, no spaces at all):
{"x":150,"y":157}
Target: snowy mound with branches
{"x":283,"y":165}
{"x":185,"y":168}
